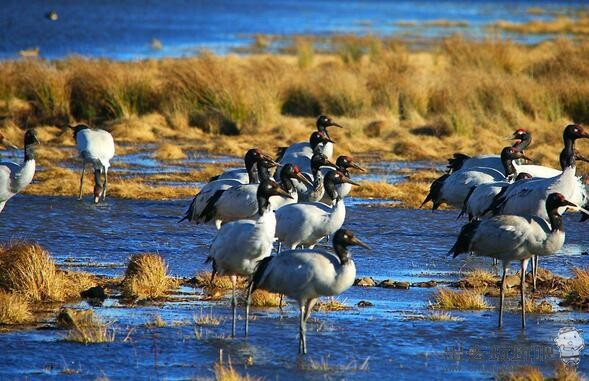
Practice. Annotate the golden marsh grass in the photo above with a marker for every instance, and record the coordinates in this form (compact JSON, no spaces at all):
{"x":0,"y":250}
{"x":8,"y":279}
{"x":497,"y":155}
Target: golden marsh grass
{"x":146,"y":277}
{"x":447,"y":299}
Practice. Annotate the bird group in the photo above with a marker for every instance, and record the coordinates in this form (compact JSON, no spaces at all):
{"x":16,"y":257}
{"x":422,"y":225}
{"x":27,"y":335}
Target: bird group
{"x":515,"y":210}
{"x":299,"y":205}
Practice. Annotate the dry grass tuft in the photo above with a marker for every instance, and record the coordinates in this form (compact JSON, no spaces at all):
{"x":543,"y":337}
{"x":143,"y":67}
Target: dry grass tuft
{"x":480,"y":278}
{"x":169,"y":151}
{"x":331,"y":304}
{"x":221,"y":282}
{"x":85,"y":327}
{"x":410,"y":194}
{"x":28,"y":269}
{"x":206,"y":319}
{"x":263,"y":298}
{"x":580,"y":283}
{"x":156,"y":322}
{"x":447,"y":299}
{"x":530,"y":373}
{"x":14,"y":308}
{"x":543,"y":307}
{"x":226,"y":372}
{"x":146,"y":277}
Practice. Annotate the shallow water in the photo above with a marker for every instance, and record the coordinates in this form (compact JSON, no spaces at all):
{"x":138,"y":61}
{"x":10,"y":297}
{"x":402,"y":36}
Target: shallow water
{"x":407,"y":245}
{"x":124,"y":29}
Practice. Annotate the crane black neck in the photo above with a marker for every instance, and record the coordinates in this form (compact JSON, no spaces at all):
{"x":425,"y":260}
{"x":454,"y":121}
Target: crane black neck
{"x":342,"y":253}
{"x":567,"y":155}
{"x":286,"y":181}
{"x":555,"y":219}
{"x":330,"y":189}
{"x":524,"y":142}
{"x":508,"y":165}
{"x":29,"y":152}
{"x":263,"y":172}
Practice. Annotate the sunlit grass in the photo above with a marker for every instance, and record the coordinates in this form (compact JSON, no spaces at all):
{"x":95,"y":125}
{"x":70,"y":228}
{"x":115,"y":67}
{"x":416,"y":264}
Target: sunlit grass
{"x":331,"y":304}
{"x":206,"y":318}
{"x":447,"y":299}
{"x":147,"y":277}
{"x":14,"y":308}
{"x":84,"y":327}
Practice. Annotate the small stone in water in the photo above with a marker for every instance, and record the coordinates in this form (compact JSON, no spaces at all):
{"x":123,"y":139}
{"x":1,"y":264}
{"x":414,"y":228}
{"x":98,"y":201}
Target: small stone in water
{"x":364,"y":303}
{"x":365,"y":282}
{"x":389,"y":283}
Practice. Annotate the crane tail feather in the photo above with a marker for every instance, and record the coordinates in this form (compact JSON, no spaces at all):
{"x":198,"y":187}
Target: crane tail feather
{"x":462,"y":244}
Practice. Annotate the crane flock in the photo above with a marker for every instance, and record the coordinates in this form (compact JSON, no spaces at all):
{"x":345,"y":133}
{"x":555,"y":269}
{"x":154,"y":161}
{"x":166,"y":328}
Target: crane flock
{"x":514,"y":210}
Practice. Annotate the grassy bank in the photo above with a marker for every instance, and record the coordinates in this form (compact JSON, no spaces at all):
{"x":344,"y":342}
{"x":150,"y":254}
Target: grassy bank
{"x":460,"y":96}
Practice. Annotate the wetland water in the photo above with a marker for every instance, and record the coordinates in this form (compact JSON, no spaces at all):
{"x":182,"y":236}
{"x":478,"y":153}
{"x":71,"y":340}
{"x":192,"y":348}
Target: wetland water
{"x":408,"y":245}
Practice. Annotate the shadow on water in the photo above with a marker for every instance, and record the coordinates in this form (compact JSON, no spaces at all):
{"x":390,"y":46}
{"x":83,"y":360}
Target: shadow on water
{"x":408,"y":245}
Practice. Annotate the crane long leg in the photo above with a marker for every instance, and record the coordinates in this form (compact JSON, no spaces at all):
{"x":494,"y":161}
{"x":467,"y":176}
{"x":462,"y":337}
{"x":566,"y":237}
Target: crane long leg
{"x":523,"y":291}
{"x":502,"y":294}
{"x":302,"y":330}
{"x":82,"y":179}
{"x":535,"y":263}
{"x":309,"y":307}
{"x":233,"y":304}
{"x":280,"y":302}
{"x":104,"y":185}
{"x":248,"y":302}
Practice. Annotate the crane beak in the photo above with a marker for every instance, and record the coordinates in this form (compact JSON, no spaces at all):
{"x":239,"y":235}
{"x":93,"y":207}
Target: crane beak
{"x":526,"y":158}
{"x":303,"y":179}
{"x":334,"y":124}
{"x":281,"y":192}
{"x":349,"y":181}
{"x":354,"y":165}
{"x":329,"y":164}
{"x":573,"y":205}
{"x":357,"y":242}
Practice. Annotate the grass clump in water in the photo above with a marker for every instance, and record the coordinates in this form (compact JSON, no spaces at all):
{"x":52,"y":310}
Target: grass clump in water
{"x":14,"y":308}
{"x":543,"y":307}
{"x":435,"y":316}
{"x":146,"y":277}
{"x":169,"y":151}
{"x":157,"y":321}
{"x":85,"y":327}
{"x":530,"y":373}
{"x":331,"y":304}
{"x":206,"y":319}
{"x":263,"y":298}
{"x":447,"y":299}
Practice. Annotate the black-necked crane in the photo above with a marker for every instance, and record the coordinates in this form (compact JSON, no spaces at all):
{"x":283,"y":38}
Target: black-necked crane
{"x":240,"y":245}
{"x":527,"y":198}
{"x":307,"y":223}
{"x":315,"y":190}
{"x":454,"y":188}
{"x":305,"y":275}
{"x":15,"y":177}
{"x":301,"y":153}
{"x":195,"y":212}
{"x":285,"y":154}
{"x":522,"y":139}
{"x":343,"y":163}
{"x":249,"y":174}
{"x":237,"y":202}
{"x":97,"y":147}
{"x":515,"y":238}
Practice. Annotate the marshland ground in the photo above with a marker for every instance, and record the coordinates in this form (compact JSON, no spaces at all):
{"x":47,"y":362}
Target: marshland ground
{"x":178,"y":121}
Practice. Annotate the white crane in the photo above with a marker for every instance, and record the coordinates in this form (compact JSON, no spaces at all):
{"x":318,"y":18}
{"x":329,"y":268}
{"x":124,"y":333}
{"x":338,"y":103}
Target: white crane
{"x":195,"y":212}
{"x":515,"y":238}
{"x":527,"y":198}
{"x":314,"y":191}
{"x":237,"y":202}
{"x":15,"y":177}
{"x":300,"y":154}
{"x":305,"y":275}
{"x":249,"y":174}
{"x":522,"y":139}
{"x":479,"y":201}
{"x":307,"y":223}
{"x":240,"y":245}
{"x":97,"y":147}
{"x":454,"y":188}
{"x":343,"y":163}
{"x":323,"y":122}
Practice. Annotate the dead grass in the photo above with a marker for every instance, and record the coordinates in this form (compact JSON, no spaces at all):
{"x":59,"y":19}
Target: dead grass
{"x":530,"y":373}
{"x":480,"y":278}
{"x":580,"y":283}
{"x":558,"y":25}
{"x":447,"y":299}
{"x":27,"y":269}
{"x":410,"y":194}
{"x":157,"y":321}
{"x":543,"y":307}
{"x":84,"y":327}
{"x":206,"y":319}
{"x":226,"y":372}
{"x":221,"y":282}
{"x":331,"y":304}
{"x":146,"y":277}
{"x":14,"y":308}
{"x":263,"y":298}
{"x":169,"y":151}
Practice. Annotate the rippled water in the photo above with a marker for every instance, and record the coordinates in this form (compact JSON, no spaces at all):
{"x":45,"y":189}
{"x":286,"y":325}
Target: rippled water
{"x":407,"y":245}
{"x":124,"y":29}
